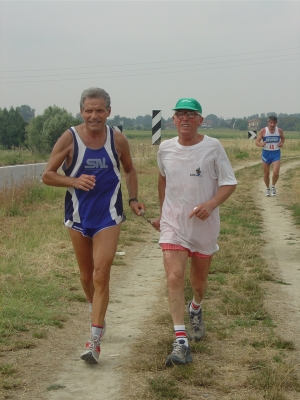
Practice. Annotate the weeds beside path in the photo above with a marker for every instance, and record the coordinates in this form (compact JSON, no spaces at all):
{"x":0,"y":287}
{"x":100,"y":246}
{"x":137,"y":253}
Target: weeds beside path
{"x":247,"y":353}
{"x":251,"y":350}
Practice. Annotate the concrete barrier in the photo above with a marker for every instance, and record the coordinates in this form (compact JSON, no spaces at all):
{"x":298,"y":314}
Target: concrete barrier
{"x":16,"y":174}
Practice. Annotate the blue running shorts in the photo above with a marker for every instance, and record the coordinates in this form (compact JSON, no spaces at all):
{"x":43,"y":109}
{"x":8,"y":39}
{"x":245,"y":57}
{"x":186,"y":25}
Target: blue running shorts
{"x":269,"y":157}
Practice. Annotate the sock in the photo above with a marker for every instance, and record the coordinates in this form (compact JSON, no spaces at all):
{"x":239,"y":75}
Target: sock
{"x":96,"y":330}
{"x":195,"y":307}
{"x":180,"y":334}
{"x":90,"y":307}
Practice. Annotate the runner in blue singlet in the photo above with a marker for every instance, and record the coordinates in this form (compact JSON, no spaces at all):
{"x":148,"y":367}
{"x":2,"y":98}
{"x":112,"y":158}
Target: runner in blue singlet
{"x":91,"y":154}
{"x":271,"y":139}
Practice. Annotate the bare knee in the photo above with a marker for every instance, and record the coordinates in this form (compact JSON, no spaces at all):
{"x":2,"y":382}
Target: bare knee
{"x":86,"y":277}
{"x":175,"y":278}
{"x":101,"y":276}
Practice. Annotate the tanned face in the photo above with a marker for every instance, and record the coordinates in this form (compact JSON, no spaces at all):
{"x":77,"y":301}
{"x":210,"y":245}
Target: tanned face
{"x":94,"y":114}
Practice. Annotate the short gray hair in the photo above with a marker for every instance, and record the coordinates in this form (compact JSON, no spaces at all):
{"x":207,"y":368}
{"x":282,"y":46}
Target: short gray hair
{"x":95,"y":93}
{"x":272,"y":118}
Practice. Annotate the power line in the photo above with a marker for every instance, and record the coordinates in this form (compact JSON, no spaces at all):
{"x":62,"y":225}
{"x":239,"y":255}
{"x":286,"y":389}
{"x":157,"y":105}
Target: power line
{"x":150,"y":62}
{"x":154,"y":73}
{"x":146,"y":69}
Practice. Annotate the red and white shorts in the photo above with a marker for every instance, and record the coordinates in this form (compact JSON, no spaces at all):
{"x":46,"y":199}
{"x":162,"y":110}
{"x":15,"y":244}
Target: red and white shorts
{"x":170,"y":246}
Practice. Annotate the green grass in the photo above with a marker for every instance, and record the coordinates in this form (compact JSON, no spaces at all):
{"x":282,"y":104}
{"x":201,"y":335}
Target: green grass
{"x":20,"y":156}
{"x":235,"y":318}
{"x":38,"y":266}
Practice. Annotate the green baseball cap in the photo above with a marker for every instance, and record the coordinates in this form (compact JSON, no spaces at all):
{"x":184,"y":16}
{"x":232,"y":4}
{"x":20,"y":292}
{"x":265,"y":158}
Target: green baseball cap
{"x":188,"y":104}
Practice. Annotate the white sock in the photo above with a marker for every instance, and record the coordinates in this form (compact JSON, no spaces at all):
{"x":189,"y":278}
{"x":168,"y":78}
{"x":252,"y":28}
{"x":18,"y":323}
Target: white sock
{"x":195,"y":307}
{"x":96,"y":330}
{"x":180,"y":334}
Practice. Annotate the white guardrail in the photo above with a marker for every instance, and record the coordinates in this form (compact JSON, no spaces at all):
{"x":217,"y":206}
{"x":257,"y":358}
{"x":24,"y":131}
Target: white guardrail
{"x":15,"y":174}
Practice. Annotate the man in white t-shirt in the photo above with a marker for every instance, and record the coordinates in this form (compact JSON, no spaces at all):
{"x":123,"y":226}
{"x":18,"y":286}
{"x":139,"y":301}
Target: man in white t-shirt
{"x":195,"y":178}
{"x":271,"y":139}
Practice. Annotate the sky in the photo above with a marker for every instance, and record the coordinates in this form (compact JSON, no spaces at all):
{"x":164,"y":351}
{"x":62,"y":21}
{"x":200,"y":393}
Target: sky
{"x":237,"y":58}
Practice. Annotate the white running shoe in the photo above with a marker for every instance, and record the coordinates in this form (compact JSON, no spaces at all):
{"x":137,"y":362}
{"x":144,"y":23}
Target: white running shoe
{"x":268,"y":192}
{"x":273,"y":191}
{"x":92,"y":351}
{"x":180,"y":355}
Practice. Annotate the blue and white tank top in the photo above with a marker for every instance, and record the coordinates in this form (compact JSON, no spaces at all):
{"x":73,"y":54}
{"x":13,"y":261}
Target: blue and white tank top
{"x":272,"y":140}
{"x":102,"y":204}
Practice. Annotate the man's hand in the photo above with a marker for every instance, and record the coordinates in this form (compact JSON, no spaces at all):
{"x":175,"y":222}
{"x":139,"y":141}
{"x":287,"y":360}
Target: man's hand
{"x":136,"y":207}
{"x":202,"y":211}
{"x":156,"y":223}
{"x":85,"y":182}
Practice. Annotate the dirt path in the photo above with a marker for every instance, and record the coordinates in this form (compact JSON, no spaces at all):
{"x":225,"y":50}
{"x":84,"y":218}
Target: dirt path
{"x":282,"y":252}
{"x":133,"y":295}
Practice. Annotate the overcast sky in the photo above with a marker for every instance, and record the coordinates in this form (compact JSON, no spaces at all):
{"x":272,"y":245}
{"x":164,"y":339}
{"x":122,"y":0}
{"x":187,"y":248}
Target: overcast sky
{"x":237,"y":58}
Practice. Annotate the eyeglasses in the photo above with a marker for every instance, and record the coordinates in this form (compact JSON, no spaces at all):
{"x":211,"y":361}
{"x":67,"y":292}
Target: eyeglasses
{"x":189,"y":114}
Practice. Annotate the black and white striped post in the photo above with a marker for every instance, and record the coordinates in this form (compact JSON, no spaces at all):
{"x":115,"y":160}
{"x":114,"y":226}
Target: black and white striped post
{"x":252,"y":135}
{"x":156,"y":126}
{"x":118,"y":128}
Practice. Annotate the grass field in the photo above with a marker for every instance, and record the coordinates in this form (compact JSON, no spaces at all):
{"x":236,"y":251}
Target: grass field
{"x":243,"y":352}
{"x":25,"y":156}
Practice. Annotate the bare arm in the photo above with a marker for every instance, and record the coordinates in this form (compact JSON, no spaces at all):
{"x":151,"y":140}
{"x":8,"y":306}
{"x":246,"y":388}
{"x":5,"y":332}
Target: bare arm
{"x":282,"y":138}
{"x":259,"y":139}
{"x":203,"y":211}
{"x":63,"y":150}
{"x":131,"y":177}
{"x":161,"y":196}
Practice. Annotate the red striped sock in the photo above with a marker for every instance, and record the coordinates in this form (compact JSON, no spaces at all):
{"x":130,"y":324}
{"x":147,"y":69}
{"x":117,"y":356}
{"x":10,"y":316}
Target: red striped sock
{"x":195,"y":307}
{"x":180,"y":334}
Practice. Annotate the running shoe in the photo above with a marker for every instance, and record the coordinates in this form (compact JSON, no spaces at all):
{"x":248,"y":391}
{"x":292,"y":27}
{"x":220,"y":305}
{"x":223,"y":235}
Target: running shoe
{"x":92,"y":351}
{"x":268,"y":192}
{"x":196,"y":329}
{"x":180,"y":355}
{"x":273,"y":191}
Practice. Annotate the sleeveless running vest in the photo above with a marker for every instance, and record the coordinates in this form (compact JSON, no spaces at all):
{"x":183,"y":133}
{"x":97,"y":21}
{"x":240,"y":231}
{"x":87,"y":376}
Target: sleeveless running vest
{"x":103,"y":204}
{"x":272,"y":140}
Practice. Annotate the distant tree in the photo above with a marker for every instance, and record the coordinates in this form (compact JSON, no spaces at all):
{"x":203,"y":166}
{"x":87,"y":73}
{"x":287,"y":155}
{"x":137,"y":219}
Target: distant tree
{"x":271,"y":113}
{"x":12,"y":129}
{"x":139,"y":120}
{"x":79,"y":117}
{"x":263,"y":123}
{"x":253,"y":116}
{"x":26,"y":112}
{"x":289,"y":123}
{"x":241,"y":124}
{"x":44,"y":130}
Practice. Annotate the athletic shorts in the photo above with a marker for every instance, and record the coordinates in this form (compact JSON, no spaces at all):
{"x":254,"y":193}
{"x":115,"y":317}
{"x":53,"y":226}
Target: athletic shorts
{"x":91,"y":232}
{"x":269,"y":157}
{"x":170,"y":246}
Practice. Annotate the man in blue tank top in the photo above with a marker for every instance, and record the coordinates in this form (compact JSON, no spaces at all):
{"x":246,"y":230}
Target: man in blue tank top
{"x":271,"y":139}
{"x":91,"y":154}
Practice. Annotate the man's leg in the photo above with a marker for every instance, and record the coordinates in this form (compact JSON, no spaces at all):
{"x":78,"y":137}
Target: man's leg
{"x":175,"y":265}
{"x":198,"y":277}
{"x":276,"y":168}
{"x":104,"y":248}
{"x":83,"y":248}
{"x":266,"y":168}
{"x":175,"y":262}
{"x":105,"y":245}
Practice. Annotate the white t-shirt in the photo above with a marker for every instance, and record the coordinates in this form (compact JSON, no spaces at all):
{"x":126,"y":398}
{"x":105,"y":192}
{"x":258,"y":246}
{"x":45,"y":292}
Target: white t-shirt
{"x":193,"y":176}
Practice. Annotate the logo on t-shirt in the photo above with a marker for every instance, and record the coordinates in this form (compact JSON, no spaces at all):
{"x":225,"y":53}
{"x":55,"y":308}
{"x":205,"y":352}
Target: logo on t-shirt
{"x":198,"y":172}
{"x":96,"y":163}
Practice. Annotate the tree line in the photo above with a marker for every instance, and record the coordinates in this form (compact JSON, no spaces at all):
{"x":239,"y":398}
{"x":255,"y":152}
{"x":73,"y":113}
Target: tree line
{"x":20,"y":127}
